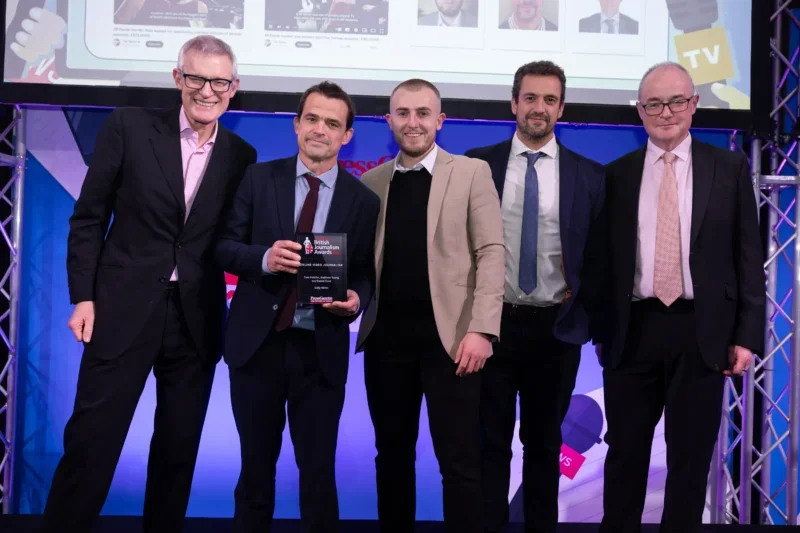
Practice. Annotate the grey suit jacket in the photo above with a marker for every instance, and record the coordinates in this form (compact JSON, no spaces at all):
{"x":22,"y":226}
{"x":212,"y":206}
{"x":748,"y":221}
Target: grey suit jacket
{"x":627,"y":25}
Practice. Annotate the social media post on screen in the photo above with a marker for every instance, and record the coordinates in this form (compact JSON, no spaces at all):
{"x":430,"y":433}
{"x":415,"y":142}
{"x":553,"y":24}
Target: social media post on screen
{"x":362,"y":17}
{"x":228,"y":14}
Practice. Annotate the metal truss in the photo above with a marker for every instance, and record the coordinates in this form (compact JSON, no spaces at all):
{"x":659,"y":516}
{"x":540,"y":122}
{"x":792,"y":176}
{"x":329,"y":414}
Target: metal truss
{"x":11,"y":233}
{"x":760,"y":446}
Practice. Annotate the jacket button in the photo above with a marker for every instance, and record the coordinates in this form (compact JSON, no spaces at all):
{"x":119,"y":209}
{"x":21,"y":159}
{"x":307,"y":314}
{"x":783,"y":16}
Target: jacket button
{"x":178,"y":246}
{"x":275,"y":307}
{"x":163,"y":279}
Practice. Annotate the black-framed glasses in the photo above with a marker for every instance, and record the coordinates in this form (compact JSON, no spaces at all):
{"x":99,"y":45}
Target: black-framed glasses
{"x":218,"y":85}
{"x":676,"y":105}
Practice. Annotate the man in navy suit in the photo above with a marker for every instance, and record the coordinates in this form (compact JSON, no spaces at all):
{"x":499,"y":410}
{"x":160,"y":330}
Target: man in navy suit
{"x":609,"y":20}
{"x":449,"y":13}
{"x":280,"y":352}
{"x":553,"y":226}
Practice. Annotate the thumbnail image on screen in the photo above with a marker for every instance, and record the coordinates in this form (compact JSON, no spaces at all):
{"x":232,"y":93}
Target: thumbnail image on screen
{"x":180,"y":13}
{"x":328,"y":16}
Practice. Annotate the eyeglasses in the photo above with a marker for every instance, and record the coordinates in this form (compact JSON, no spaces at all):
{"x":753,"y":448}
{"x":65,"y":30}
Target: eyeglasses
{"x":218,"y":85}
{"x":676,"y":105}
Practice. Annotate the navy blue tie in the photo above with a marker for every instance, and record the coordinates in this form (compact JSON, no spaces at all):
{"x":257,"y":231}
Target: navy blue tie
{"x":530,"y":226}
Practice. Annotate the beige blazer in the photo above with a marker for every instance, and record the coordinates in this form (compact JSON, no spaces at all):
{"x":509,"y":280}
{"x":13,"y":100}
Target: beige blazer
{"x":466,"y":254}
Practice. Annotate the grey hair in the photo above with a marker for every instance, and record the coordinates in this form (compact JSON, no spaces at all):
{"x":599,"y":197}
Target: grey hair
{"x":665,"y":64}
{"x":207,"y":45}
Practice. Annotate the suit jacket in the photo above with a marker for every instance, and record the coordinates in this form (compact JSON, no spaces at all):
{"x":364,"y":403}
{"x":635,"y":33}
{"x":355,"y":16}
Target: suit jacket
{"x":583,"y":228}
{"x":627,"y":25}
{"x":466,"y":255}
{"x":262,"y":213}
{"x":468,"y":20}
{"x":726,"y":257}
{"x":136,"y":175}
{"x":548,"y":26}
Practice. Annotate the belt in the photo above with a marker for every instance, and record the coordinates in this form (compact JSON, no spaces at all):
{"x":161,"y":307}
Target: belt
{"x":516,"y":310}
{"x":654,"y":305}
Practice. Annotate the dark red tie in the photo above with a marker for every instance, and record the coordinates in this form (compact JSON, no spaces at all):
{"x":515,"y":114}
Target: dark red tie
{"x":304,"y":225}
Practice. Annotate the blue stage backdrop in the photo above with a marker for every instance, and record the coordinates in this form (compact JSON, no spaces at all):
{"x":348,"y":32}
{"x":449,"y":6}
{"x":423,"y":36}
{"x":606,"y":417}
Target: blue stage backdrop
{"x":60,"y":146}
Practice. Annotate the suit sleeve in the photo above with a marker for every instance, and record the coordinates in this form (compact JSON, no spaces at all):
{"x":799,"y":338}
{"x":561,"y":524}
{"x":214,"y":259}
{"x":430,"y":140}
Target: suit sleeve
{"x":363,"y":282}
{"x":485,"y":225}
{"x":234,"y":251}
{"x":596,"y":261}
{"x":749,"y":257}
{"x":92,"y":212}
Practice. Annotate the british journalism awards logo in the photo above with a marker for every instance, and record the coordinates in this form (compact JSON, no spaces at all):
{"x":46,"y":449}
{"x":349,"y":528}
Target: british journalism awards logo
{"x":309,"y":248}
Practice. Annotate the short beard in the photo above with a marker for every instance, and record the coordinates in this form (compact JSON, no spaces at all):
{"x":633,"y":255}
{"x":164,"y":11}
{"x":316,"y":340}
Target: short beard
{"x":529,"y":133}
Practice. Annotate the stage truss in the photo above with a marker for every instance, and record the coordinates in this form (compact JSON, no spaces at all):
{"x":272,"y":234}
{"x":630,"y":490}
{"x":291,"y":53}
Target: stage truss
{"x":750,"y":495}
{"x":11,"y":232}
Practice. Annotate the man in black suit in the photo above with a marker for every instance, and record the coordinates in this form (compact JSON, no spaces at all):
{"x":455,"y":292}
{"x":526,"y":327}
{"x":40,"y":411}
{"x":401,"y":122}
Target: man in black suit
{"x":449,"y":13}
{"x":527,"y":15}
{"x":553,"y":226}
{"x":148,"y":295}
{"x":687,"y":303}
{"x":281,"y":353}
{"x":609,"y":20}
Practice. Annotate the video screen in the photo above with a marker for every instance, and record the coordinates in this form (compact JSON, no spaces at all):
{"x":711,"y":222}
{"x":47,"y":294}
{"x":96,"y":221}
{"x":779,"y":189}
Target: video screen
{"x":328,"y":16}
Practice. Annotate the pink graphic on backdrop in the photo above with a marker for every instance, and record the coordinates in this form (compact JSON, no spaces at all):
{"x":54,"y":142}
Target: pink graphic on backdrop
{"x":570,"y":461}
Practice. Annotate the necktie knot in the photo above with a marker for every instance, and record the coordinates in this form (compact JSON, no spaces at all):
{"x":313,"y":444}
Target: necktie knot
{"x":313,"y":181}
{"x":533,"y":157}
{"x":669,"y":157}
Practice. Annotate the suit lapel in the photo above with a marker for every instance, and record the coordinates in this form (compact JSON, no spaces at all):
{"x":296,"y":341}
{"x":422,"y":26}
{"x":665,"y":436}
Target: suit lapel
{"x":632,"y":189}
{"x":567,"y":174}
{"x":284,"y":183}
{"x":341,"y":204}
{"x":383,"y":178}
{"x":702,"y":179}
{"x":166,"y":143}
{"x":215,"y":170}
{"x":499,"y":166}
{"x":442,"y":170}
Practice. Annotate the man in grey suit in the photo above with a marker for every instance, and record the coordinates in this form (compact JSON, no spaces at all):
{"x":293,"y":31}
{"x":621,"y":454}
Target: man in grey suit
{"x":609,"y":20}
{"x":449,"y":13}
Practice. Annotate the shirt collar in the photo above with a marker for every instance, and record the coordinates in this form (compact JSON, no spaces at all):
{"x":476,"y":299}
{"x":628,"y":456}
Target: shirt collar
{"x":550,"y":149}
{"x":513,"y":25}
{"x":456,"y":22}
{"x":328,"y":178}
{"x":187,"y":131}
{"x":682,"y":151}
{"x":604,"y":18}
{"x":427,"y":163}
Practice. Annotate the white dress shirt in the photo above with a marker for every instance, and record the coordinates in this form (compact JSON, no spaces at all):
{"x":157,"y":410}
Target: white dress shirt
{"x":456,"y":22}
{"x":550,"y":284}
{"x":427,"y":162}
{"x":604,"y":24}
{"x":648,"y":214}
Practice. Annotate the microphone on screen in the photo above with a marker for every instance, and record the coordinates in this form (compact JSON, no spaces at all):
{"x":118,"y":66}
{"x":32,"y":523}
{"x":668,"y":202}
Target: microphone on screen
{"x":702,"y":48}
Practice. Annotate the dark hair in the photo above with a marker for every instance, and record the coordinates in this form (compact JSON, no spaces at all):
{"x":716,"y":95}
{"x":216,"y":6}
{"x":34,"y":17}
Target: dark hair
{"x":415,"y":84}
{"x":538,"y":68}
{"x":328,"y":89}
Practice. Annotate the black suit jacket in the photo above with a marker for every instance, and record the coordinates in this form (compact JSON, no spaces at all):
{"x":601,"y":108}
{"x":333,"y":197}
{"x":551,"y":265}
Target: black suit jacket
{"x":262,"y":213}
{"x":726,"y":257}
{"x":583,"y":229}
{"x":136,"y":175}
{"x":627,"y":25}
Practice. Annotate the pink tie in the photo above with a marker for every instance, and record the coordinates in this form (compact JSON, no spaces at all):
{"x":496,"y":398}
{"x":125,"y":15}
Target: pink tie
{"x":668,"y":276}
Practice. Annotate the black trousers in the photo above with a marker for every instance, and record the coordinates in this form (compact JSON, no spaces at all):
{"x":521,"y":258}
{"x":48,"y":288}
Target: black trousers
{"x":284,"y":376}
{"x":531,"y":362}
{"x":396,"y":379}
{"x":662,"y":371}
{"x":107,"y":395}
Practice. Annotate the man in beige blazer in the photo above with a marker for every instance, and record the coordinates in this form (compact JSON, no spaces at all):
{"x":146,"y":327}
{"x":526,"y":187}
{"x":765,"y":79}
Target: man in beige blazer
{"x":440,"y":265}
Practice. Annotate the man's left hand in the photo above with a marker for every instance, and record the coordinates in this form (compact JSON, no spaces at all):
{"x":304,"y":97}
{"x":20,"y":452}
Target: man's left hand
{"x":472,"y":353}
{"x":740,"y":359}
{"x":346,"y":308}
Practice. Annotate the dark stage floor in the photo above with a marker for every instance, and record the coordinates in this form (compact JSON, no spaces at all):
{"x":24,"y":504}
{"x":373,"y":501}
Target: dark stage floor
{"x":25,"y":524}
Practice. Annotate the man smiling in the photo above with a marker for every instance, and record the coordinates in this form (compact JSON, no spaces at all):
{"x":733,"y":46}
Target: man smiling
{"x":148,"y":296}
{"x":439,"y":262}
